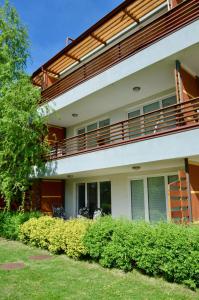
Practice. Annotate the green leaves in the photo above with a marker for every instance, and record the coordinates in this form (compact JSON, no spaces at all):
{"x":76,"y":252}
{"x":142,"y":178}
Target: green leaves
{"x":167,"y":250}
{"x":21,"y":127}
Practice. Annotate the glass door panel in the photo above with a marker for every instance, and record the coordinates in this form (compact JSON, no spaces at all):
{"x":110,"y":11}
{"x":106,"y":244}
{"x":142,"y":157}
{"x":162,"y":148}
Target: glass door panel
{"x":156,"y":198}
{"x":92,"y":197}
{"x":104,"y":133}
{"x":81,"y":144}
{"x":105,"y":197}
{"x":137,"y":199}
{"x":92,"y":136}
{"x":134,"y":124}
{"x":169,"y":113}
{"x":81,"y":195}
{"x":151,"y":121}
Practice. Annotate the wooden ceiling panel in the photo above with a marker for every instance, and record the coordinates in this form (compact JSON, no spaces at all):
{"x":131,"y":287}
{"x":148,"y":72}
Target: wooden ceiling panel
{"x":89,"y":44}
{"x":127,"y":13}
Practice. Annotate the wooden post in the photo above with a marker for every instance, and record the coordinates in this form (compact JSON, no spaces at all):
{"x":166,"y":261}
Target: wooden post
{"x":188,"y":188}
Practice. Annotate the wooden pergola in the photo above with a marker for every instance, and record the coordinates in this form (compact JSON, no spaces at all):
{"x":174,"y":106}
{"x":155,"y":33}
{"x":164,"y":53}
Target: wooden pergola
{"x":121,"y":18}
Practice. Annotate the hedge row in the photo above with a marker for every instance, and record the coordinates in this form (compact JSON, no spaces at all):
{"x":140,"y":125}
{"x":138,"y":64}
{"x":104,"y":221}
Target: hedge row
{"x":167,"y":250}
{"x":56,"y":235}
{"x":10,"y":222}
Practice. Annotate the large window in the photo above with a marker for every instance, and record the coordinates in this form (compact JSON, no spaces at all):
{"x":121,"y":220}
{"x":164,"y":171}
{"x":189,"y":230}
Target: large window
{"x":149,"y":197}
{"x":137,"y":199}
{"x":94,"y":195}
{"x":94,"y":137}
{"x":105,"y":197}
{"x":153,"y":119}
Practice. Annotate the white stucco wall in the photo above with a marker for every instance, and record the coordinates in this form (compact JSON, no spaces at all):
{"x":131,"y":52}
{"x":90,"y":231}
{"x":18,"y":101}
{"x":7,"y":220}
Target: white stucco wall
{"x":173,"y":146}
{"x":120,"y":190}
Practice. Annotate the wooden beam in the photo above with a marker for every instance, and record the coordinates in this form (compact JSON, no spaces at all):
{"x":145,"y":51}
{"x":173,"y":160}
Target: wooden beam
{"x":72,"y":57}
{"x":97,"y":38}
{"x":52,"y":72}
{"x":131,"y":16}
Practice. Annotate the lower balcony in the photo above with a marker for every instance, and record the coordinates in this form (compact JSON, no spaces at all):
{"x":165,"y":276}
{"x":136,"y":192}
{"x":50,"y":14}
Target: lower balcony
{"x":165,"y":121}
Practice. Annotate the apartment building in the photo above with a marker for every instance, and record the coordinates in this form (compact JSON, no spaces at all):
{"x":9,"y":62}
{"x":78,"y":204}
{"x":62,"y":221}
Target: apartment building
{"x":123,"y":115}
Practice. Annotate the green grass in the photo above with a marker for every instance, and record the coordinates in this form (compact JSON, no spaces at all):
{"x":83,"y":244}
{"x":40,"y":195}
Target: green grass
{"x":63,"y":278}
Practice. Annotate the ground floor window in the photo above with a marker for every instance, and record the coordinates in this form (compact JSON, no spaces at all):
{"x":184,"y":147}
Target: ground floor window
{"x":149,"y":197}
{"x":94,"y":195}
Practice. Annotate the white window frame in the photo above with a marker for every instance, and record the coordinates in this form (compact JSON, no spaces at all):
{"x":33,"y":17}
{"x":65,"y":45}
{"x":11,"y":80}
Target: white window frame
{"x":84,"y":126}
{"x":86,"y":195}
{"x":141,"y":105}
{"x":146,"y":201}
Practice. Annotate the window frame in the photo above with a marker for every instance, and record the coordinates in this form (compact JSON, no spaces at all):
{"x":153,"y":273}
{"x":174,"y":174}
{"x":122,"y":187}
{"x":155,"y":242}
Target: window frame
{"x":146,"y":198}
{"x":86,"y":182}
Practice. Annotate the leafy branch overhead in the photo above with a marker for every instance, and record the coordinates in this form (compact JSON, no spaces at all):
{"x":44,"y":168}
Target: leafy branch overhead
{"x":21,"y":127}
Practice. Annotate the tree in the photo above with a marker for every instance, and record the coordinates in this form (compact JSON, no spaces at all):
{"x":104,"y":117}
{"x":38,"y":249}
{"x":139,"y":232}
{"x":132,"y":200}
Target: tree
{"x":22,"y":128}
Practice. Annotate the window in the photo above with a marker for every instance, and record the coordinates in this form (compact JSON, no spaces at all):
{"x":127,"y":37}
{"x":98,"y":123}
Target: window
{"x":149,"y":196}
{"x":104,"y":133}
{"x":154,"y":120}
{"x":168,"y":116}
{"x":94,"y":195}
{"x":137,"y":199}
{"x":81,"y":139}
{"x":94,"y":138}
{"x":156,"y":198}
{"x":105,"y":197}
{"x":81,"y":195}
{"x":134,"y":124}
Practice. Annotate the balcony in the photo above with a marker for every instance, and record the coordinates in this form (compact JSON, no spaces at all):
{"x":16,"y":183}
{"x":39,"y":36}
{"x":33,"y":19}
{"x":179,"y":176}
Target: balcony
{"x":166,"y":24}
{"x":165,"y":121}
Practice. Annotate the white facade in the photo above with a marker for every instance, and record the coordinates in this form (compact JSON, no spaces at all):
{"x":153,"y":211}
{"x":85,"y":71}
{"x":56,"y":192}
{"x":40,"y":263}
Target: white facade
{"x":109,"y":95}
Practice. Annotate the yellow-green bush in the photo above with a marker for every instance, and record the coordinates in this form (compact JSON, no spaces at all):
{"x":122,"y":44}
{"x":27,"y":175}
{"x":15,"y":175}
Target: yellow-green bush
{"x":36,"y":231}
{"x":74,"y":233}
{"x":56,"y":235}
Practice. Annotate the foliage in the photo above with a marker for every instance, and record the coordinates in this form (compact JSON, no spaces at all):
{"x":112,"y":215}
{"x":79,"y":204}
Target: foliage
{"x":167,"y":250}
{"x":21,"y":126}
{"x":61,"y":278}
{"x":10,"y":223}
{"x":56,"y":235}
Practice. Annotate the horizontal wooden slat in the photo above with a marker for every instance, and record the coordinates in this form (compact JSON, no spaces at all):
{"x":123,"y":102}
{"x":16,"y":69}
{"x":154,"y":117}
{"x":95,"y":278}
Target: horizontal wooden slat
{"x":182,"y":194}
{"x":135,"y":129}
{"x":112,"y":24}
{"x":178,"y":203}
{"x":164,"y":25}
{"x":180,"y":214}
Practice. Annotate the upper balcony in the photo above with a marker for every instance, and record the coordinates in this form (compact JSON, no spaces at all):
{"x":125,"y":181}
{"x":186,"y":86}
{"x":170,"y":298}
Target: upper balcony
{"x":168,"y":120}
{"x":144,"y":23}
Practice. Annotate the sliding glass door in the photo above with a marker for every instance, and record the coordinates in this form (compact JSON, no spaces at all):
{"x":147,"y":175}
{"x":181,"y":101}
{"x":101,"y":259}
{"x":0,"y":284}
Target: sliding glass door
{"x":156,"y":198}
{"x":92,"y":197}
{"x":148,"y":198}
{"x":137,"y":199}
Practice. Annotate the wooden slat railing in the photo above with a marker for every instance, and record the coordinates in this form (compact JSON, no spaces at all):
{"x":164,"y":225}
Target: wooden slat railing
{"x":164,"y":121}
{"x":179,"y":201}
{"x":164,"y":25}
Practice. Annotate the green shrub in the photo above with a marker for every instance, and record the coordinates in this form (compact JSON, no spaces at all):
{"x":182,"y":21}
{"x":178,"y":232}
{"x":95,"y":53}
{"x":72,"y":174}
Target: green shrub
{"x":10,"y":223}
{"x":56,"y":235}
{"x":167,"y":250}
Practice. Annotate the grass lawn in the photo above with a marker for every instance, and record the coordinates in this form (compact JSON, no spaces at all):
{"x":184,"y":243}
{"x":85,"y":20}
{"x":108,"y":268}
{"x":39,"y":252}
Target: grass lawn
{"x":63,"y":278}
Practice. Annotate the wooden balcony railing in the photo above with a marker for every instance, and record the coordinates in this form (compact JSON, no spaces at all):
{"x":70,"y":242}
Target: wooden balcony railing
{"x":164,"y":25}
{"x":164,"y":121}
